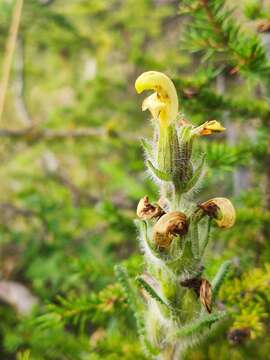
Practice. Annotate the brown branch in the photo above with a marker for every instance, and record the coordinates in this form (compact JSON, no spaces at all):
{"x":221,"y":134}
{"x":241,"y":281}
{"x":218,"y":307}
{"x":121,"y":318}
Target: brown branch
{"x":19,"y":85}
{"x":11,"y":43}
{"x":224,"y":41}
{"x":31,"y":134}
{"x":11,"y":210}
{"x":212,"y":21}
{"x":79,"y":195}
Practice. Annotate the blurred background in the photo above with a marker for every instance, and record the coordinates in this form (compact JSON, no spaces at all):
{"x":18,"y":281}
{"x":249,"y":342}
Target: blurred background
{"x":72,"y":169}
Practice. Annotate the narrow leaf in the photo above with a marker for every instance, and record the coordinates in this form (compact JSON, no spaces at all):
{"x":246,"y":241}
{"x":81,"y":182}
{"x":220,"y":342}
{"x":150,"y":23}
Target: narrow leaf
{"x":194,"y":238}
{"x":151,"y":291}
{"x":159,"y":174}
{"x":199,"y":325}
{"x":219,"y":278}
{"x":204,"y":241}
{"x":147,"y":148}
{"x":123,"y":278}
{"x":196,"y":176}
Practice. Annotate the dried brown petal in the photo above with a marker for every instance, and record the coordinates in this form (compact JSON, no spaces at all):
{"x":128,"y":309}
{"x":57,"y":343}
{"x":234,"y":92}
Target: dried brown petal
{"x":192,"y":283}
{"x":206,"y":294}
{"x":147,"y":211}
{"x":168,"y":226}
{"x":222,"y":210}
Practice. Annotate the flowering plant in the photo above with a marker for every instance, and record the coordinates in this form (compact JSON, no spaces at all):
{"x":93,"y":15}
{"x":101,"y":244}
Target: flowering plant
{"x":177,"y":303}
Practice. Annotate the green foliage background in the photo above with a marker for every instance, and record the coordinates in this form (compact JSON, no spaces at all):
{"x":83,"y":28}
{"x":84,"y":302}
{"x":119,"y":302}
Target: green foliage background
{"x":68,"y":202}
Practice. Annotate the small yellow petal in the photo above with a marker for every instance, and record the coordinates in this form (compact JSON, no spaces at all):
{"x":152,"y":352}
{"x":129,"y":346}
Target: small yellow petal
{"x":153,"y":104}
{"x":208,"y":128}
{"x":211,"y":127}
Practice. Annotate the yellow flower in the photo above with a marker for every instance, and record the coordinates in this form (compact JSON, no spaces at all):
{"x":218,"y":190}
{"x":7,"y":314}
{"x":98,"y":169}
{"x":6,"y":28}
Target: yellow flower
{"x":163,"y":104}
{"x":208,"y":128}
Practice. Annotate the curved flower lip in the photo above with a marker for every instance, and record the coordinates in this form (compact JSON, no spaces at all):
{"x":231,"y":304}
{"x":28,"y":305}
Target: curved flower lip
{"x":149,"y":80}
{"x":163,"y":104}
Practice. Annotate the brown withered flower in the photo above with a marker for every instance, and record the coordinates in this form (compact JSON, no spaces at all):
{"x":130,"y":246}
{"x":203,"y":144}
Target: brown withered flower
{"x":193,"y":283}
{"x":206,"y":294}
{"x":263,"y":26}
{"x":222,"y":210}
{"x":147,"y":211}
{"x":238,"y":336}
{"x":168,"y":226}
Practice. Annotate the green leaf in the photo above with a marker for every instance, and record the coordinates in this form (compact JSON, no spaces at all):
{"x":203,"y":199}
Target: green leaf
{"x":147,"y":148}
{"x":123,"y":278}
{"x":196,"y":175}
{"x":151,"y":291}
{"x":131,"y":297}
{"x":146,"y":245}
{"x":193,"y":228}
{"x":219,"y":278}
{"x":199,"y":325}
{"x":23,"y":355}
{"x":204,"y":241}
{"x":159,"y":174}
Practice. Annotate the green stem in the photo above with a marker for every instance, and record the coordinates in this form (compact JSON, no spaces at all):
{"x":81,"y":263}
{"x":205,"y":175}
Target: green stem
{"x":167,"y":149}
{"x":168,"y":353}
{"x":177,"y":194}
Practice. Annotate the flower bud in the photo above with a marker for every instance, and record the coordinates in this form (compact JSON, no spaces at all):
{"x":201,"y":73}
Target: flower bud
{"x":147,"y":211}
{"x":206,"y":294}
{"x":222,"y":210}
{"x":168,"y":226}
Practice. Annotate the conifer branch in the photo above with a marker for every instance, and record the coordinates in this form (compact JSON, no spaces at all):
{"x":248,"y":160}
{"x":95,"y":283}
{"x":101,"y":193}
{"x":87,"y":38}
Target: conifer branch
{"x":245,"y":52}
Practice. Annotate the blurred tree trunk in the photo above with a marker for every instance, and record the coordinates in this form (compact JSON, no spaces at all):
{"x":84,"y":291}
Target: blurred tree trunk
{"x":241,"y":175}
